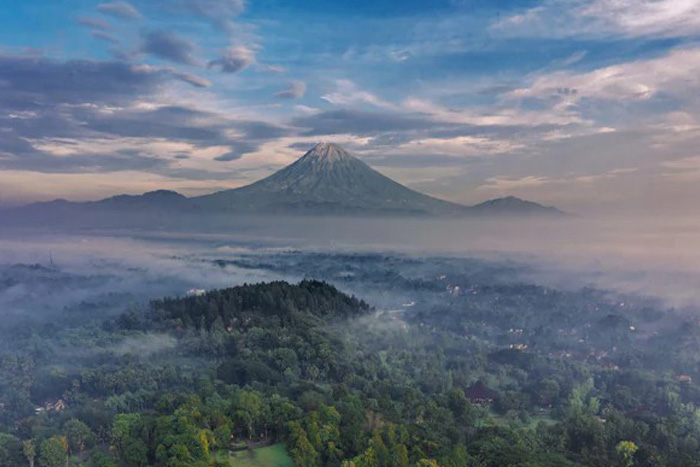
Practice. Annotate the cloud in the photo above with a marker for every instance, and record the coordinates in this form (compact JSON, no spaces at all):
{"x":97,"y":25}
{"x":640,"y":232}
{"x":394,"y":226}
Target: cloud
{"x":508,"y":184}
{"x":169,"y":46}
{"x":17,"y":153}
{"x":39,"y":82}
{"x":119,"y":9}
{"x":412,"y":161}
{"x":495,"y":115}
{"x":676,"y":73}
{"x":361,"y":123}
{"x":64,"y":116}
{"x":105,"y":36}
{"x":95,"y":23}
{"x":218,"y":12}
{"x":604,"y":18}
{"x":459,"y":146}
{"x":257,"y":130}
{"x":81,"y":116}
{"x":647,"y":17}
{"x":235,"y":59}
{"x":347,"y":93}
{"x":194,"y":80}
{"x":295,"y":90}
{"x":272,"y":68}
{"x":239,"y":151}
{"x":164,"y":123}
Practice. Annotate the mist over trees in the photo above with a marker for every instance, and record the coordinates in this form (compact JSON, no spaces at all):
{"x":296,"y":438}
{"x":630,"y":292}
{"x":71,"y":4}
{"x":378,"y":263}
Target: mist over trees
{"x":439,"y":361}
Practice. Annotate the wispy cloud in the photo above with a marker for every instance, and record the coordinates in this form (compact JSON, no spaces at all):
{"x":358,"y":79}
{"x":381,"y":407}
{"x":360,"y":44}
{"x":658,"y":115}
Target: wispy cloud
{"x":604,"y":18}
{"x":347,"y":93}
{"x":105,"y":36}
{"x":120,"y":9}
{"x":503,"y":115}
{"x":295,"y":90}
{"x":95,"y":23}
{"x":675,"y":73}
{"x":220,"y":13}
{"x":194,"y":80}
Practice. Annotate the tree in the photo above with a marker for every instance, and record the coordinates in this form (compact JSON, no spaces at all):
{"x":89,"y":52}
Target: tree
{"x":401,"y":456}
{"x":78,"y":435}
{"x":302,"y":451}
{"x":29,"y":450}
{"x":351,"y":426}
{"x":382,"y":453}
{"x":121,"y":430}
{"x":248,"y":409}
{"x":54,"y":452}
{"x":460,"y":456}
{"x":626,"y":451}
{"x":10,"y":450}
{"x":135,"y":453}
{"x":99,"y":458}
{"x":176,"y":455}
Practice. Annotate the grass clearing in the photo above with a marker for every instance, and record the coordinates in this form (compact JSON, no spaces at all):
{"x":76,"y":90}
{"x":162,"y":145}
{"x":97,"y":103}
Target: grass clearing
{"x":269,"y":456}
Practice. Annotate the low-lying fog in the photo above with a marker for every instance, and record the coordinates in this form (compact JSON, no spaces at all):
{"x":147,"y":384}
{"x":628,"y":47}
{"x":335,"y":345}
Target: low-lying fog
{"x":116,"y":267}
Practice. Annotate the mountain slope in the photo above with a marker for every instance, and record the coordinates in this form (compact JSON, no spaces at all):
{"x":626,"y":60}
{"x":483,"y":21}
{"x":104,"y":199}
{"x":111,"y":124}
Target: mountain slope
{"x":327,"y":180}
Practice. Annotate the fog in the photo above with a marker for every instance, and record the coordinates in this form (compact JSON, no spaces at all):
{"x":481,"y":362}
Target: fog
{"x":652,"y":257}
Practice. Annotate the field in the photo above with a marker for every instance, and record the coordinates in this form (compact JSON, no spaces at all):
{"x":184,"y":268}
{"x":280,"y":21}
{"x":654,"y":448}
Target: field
{"x":269,"y":456}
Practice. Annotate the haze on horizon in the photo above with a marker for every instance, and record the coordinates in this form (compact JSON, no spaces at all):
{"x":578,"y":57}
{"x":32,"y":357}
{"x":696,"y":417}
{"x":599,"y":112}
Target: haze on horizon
{"x":588,"y":105}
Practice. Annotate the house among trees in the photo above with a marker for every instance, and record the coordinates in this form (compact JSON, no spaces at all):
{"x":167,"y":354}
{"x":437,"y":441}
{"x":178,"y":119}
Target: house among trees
{"x":480,"y":394}
{"x":51,"y":406}
{"x":684,"y":379}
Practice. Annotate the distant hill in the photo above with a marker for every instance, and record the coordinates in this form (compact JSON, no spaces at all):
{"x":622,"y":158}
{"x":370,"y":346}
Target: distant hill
{"x":158,"y":198}
{"x":327,"y":180}
{"x":510,"y":205}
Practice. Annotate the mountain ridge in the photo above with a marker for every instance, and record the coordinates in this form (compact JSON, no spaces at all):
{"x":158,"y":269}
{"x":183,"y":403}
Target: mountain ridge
{"x":326,"y":180}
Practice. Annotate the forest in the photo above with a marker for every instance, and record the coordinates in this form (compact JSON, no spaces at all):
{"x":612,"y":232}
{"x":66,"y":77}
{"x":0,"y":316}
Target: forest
{"x":472,"y":367}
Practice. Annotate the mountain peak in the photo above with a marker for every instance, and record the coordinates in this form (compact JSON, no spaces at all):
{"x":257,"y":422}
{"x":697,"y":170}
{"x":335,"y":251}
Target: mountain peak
{"x":163,"y":194}
{"x":327,"y":154}
{"x":326,"y":149}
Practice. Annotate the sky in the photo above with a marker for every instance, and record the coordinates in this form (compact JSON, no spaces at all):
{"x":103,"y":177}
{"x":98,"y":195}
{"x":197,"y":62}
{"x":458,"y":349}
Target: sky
{"x":589,"y":105}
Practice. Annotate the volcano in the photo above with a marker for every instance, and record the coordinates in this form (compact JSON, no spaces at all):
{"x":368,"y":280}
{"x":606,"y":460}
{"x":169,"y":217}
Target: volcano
{"x":327,"y":180}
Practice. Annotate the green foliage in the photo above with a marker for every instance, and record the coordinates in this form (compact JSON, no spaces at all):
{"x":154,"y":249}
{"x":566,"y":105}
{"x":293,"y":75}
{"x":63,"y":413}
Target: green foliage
{"x":53,"y":452}
{"x":78,"y":434}
{"x":10,"y":450}
{"x":308,"y":366}
{"x":626,"y":451}
{"x":29,"y":451}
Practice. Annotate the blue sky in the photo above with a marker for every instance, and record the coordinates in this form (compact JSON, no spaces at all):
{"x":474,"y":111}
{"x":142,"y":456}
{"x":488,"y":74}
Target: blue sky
{"x":591,"y":105}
